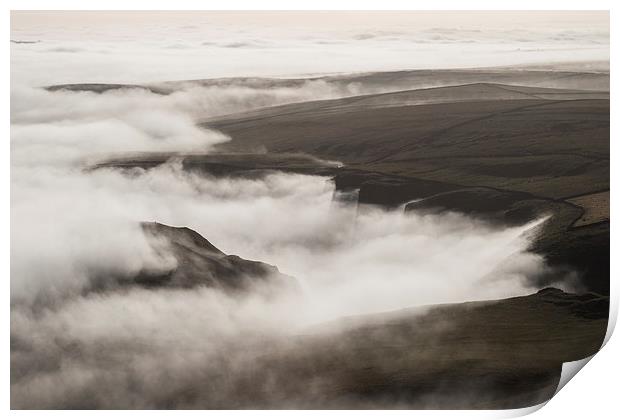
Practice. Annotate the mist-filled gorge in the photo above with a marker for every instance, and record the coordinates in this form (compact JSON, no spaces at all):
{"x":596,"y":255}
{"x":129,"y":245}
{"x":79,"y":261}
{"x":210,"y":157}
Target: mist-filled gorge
{"x":360,"y":239}
{"x":77,"y":234}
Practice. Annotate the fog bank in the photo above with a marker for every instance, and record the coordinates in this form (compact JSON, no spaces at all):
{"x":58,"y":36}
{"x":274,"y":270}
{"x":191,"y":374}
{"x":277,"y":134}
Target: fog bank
{"x":138,"y":47}
{"x":80,"y":340}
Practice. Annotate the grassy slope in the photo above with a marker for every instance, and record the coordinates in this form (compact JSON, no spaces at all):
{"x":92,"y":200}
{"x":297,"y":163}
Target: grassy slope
{"x":508,"y":153}
{"x":519,"y":144}
{"x":491,"y":355}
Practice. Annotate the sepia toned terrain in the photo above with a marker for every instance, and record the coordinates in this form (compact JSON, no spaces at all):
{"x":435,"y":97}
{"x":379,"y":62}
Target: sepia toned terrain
{"x":430,"y":238}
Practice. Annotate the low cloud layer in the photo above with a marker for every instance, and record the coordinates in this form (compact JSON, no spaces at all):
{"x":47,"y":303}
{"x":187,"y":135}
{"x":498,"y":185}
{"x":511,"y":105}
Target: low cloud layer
{"x":139,"y":348}
{"x":132,"y":47}
{"x":73,"y":229}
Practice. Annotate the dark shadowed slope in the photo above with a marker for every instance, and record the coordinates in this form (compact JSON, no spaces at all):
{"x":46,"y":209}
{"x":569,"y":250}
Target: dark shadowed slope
{"x":501,"y":354}
{"x":482,"y":355}
{"x":553,"y":148}
{"x":199,"y":263}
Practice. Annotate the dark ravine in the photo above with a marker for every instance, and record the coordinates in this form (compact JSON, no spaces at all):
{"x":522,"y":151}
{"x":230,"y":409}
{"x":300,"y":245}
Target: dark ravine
{"x":557,"y":240}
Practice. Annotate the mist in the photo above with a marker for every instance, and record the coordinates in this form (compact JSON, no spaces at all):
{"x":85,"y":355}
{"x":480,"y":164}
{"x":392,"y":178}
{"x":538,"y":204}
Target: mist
{"x":139,"y":47}
{"x":75,"y":231}
{"x":86,"y":334}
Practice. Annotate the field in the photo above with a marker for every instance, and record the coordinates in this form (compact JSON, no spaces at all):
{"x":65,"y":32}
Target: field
{"x":595,"y":206}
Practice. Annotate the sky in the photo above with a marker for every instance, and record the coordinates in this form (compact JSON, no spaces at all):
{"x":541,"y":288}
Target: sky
{"x":137,"y":47}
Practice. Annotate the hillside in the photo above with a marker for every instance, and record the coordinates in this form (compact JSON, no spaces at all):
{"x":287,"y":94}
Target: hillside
{"x":199,"y":263}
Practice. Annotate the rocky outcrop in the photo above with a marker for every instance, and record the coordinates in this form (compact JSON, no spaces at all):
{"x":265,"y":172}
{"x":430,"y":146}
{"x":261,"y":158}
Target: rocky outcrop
{"x":200,"y":263}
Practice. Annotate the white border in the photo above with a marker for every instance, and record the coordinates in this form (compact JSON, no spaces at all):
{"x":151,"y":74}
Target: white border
{"x":592,"y":395}
{"x":311,"y":5}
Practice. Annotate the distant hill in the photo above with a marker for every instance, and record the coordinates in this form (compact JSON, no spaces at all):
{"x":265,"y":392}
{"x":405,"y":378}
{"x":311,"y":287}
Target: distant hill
{"x":391,"y":81}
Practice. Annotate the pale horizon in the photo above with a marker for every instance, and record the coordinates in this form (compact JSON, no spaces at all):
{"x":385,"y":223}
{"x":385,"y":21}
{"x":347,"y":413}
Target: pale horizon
{"x":149,"y":46}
